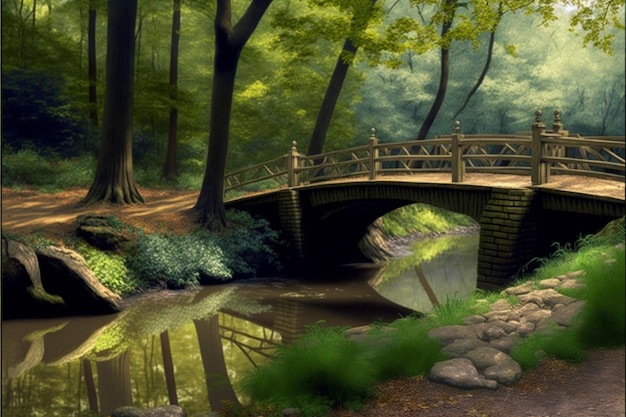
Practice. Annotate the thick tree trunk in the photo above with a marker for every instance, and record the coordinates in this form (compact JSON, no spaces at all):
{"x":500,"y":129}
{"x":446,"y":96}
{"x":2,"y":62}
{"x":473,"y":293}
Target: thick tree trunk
{"x":114,"y":181}
{"x":210,"y":203}
{"x":229,"y":42}
{"x":170,"y":169}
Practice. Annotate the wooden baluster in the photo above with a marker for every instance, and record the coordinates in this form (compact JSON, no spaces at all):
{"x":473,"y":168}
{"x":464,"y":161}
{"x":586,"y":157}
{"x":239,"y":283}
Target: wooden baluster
{"x":538,"y":169}
{"x":374,"y":164}
{"x":456,"y":149}
{"x":293,"y":176}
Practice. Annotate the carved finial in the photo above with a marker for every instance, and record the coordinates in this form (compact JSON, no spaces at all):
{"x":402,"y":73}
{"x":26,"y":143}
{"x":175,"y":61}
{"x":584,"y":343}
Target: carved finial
{"x":557,"y":116}
{"x":538,"y":115}
{"x":457,"y":127}
{"x":293,"y":146}
{"x":372,"y":133}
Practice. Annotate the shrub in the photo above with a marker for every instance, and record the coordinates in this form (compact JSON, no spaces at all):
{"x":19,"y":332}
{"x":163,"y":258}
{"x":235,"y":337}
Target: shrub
{"x":320,"y":370}
{"x":408,"y":352}
{"x":28,"y":168}
{"x":110,"y":269}
{"x":177,"y":261}
{"x":603,"y":316}
{"x":249,"y":245}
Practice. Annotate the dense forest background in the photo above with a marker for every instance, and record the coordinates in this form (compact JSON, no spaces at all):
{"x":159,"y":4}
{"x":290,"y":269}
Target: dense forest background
{"x":283,"y":75}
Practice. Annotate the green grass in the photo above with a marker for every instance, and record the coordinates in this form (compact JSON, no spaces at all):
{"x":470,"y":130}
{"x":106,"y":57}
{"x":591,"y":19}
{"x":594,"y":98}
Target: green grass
{"x":421,"y":218}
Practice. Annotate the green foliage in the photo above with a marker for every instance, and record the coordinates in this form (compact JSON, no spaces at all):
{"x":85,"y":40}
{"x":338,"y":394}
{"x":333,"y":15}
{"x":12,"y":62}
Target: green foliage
{"x":110,"y":269}
{"x":245,"y":248}
{"x":28,"y":168}
{"x":320,"y":370}
{"x":408,"y":350}
{"x":249,"y":245}
{"x":421,"y":218}
{"x":562,"y":344}
{"x":177,"y":260}
{"x":603,"y":316}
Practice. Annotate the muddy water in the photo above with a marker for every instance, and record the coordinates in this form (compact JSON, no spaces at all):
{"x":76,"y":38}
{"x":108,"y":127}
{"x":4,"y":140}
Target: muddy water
{"x":192,"y":347}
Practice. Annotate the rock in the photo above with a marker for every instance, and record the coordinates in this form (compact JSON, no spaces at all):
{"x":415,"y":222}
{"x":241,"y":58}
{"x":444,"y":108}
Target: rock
{"x":507,"y":343}
{"x":571,"y":284}
{"x":500,"y":305}
{"x":448,"y":334}
{"x":550,"y":283}
{"x":564,"y":316}
{"x":545,"y":298}
{"x":536,"y":316}
{"x":100,"y":231}
{"x":519,"y":290}
{"x":475,"y":319}
{"x":459,"y":372}
{"x":460,"y":347}
{"x":497,"y":365}
{"x":23,"y":294}
{"x":64,"y":273}
{"x":165,"y":411}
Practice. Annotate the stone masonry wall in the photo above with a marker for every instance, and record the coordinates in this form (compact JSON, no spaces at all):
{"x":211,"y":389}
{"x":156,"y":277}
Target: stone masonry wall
{"x":509,"y":232}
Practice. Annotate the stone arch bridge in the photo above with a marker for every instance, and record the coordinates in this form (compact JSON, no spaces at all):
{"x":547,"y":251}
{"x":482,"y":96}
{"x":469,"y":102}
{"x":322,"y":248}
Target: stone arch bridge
{"x":526,"y":191}
{"x":324,"y":223}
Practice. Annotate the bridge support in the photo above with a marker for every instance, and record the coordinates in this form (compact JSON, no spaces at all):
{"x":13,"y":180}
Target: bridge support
{"x":290,"y":219}
{"x":509,"y":235}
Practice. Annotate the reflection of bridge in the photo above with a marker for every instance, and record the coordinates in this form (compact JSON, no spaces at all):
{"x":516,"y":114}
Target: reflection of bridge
{"x":526,"y":191}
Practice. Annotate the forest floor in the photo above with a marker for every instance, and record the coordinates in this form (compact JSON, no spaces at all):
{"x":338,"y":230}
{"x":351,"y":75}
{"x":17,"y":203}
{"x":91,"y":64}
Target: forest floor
{"x":594,"y":388}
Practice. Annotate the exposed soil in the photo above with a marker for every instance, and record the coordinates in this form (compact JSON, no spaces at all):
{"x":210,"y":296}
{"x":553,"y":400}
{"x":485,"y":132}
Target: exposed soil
{"x":595,"y":388}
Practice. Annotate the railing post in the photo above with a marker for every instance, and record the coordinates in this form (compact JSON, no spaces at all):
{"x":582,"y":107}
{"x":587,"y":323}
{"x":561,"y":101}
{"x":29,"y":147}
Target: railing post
{"x":293,"y":177}
{"x":374,"y":164}
{"x":456,"y":149}
{"x":538,"y":169}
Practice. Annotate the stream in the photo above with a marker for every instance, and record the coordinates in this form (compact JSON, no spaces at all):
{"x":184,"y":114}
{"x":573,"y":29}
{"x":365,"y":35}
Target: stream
{"x":192,"y":347}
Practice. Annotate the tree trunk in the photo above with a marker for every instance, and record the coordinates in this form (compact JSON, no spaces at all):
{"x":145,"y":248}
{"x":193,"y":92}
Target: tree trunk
{"x":483,"y":74}
{"x":443,"y":82}
{"x":91,"y":63}
{"x":229,"y":42}
{"x":114,"y":385}
{"x":114,"y":181}
{"x":170,"y":169}
{"x":324,"y":116}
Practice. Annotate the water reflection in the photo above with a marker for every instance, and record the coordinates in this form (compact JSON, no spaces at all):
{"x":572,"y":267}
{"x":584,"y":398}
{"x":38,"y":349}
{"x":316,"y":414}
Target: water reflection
{"x":449,"y":266}
{"x":191,"y":347}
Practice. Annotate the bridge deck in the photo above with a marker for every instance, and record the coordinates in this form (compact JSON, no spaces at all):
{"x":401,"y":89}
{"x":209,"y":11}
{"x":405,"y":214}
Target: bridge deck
{"x":567,"y":183}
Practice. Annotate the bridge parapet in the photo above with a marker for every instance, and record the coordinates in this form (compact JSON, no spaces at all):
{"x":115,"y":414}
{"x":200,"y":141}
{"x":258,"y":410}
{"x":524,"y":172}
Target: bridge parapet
{"x":538,"y":154}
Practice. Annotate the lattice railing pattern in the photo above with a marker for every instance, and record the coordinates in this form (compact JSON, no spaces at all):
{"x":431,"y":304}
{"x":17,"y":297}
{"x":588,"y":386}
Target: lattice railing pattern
{"x":539,"y":151}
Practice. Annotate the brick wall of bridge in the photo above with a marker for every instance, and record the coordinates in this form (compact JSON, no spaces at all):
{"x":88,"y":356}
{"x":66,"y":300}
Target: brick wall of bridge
{"x":509,"y":235}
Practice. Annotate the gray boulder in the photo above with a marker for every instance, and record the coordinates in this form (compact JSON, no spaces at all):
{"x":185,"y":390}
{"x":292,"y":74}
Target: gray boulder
{"x":496,"y":365}
{"x":100,"y":231}
{"x":459,"y":372}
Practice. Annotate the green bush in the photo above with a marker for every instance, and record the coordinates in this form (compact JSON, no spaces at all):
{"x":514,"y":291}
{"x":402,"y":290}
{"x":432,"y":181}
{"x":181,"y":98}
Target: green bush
{"x":110,"y":269}
{"x":408,"y":350}
{"x":249,"y":245}
{"x":177,"y":261}
{"x":320,"y":370}
{"x":603,"y":316}
{"x":28,"y":168}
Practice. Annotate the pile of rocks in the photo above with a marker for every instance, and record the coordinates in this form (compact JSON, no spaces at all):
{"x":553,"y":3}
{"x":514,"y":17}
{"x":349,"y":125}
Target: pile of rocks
{"x":480,"y":350}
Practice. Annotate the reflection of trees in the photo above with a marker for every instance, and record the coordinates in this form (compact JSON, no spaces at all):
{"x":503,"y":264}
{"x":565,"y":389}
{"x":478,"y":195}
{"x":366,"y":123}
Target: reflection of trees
{"x":218,"y":384}
{"x":90,"y":386}
{"x":168,"y":367}
{"x":114,"y":383}
{"x":427,"y":250}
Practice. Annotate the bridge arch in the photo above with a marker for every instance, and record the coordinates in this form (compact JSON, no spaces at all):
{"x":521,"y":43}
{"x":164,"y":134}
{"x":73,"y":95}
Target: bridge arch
{"x":323,"y":223}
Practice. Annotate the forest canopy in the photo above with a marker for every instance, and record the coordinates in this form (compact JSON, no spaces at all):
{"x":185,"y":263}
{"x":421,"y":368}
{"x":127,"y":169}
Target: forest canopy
{"x":538,"y":61}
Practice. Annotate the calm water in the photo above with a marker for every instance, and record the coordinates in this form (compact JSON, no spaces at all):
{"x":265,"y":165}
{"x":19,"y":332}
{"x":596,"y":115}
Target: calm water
{"x":192,"y":347}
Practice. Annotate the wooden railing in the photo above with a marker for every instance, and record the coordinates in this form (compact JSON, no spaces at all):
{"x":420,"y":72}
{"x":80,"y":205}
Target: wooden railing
{"x":537,"y":153}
